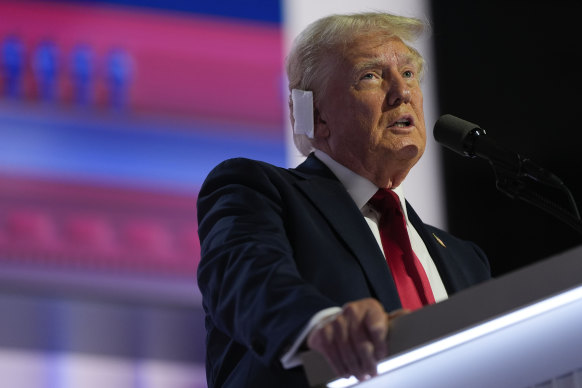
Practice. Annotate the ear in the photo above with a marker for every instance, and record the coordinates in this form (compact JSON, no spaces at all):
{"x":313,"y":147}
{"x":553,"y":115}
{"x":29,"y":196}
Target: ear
{"x":321,"y":128}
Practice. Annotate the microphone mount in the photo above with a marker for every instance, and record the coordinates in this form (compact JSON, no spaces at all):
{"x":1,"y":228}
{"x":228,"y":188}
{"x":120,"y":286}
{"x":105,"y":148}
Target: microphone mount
{"x":517,"y":177}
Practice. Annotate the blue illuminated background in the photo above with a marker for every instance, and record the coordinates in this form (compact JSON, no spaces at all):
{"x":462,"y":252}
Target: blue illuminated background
{"x":112,"y":113}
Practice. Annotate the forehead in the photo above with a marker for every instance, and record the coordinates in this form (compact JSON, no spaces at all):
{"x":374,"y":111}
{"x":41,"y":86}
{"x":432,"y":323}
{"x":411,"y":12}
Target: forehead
{"x":378,"y":48}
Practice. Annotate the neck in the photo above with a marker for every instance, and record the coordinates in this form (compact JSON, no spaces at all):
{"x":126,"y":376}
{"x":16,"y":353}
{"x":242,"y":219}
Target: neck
{"x":388,"y":174}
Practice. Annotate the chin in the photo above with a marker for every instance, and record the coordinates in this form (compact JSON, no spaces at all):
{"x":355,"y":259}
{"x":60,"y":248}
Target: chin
{"x":409,"y":153}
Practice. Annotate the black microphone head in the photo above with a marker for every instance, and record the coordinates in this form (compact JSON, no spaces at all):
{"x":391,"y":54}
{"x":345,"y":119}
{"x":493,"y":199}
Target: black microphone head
{"x":452,"y":132}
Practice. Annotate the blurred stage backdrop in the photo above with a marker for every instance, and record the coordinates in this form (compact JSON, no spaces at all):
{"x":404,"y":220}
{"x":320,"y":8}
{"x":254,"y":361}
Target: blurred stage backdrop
{"x":113,"y":112}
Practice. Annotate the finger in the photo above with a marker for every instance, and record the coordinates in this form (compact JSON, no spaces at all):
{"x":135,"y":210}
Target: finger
{"x":367,"y":361}
{"x":322,"y":340}
{"x":398,"y":313}
{"x":360,"y":344}
{"x":353,"y":314}
{"x":344,"y":345}
{"x":367,"y":332}
{"x":337,"y":361}
{"x":376,"y":323}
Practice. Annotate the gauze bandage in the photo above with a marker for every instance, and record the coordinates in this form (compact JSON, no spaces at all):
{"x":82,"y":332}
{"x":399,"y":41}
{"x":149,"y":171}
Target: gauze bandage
{"x":302,"y":112}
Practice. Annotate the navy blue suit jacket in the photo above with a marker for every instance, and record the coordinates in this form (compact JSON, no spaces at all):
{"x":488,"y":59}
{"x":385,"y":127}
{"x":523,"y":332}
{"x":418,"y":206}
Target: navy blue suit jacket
{"x":279,"y":245}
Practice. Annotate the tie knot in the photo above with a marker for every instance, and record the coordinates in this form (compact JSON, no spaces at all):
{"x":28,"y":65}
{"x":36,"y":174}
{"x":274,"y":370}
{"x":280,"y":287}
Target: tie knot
{"x":385,"y":200}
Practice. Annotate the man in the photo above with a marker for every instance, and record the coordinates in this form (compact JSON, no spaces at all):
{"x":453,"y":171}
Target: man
{"x":293,"y":258}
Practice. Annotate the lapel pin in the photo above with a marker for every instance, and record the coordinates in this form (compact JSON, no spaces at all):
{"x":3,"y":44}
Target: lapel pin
{"x":439,"y":240}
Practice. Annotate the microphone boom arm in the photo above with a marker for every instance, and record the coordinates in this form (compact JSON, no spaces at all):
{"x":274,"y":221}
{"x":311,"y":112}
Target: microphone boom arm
{"x":514,"y":185}
{"x":515,"y":176}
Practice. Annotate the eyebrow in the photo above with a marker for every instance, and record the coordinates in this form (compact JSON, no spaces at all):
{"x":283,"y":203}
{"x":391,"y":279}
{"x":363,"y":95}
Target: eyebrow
{"x":375,"y":62}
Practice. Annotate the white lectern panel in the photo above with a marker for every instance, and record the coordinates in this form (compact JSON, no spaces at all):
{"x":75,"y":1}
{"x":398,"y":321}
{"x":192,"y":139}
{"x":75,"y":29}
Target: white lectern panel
{"x":520,"y":330}
{"x":514,"y":354}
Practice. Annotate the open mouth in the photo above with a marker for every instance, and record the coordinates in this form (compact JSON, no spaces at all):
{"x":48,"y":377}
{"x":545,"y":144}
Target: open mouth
{"x":402,"y":122}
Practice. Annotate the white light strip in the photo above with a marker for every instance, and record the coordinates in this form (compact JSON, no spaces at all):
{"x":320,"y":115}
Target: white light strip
{"x":470,"y":334}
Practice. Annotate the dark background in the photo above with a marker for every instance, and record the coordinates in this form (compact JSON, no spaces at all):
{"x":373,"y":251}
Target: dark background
{"x":512,"y":68}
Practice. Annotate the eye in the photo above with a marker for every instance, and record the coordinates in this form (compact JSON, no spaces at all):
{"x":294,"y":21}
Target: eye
{"x":368,"y":76}
{"x":408,"y":74}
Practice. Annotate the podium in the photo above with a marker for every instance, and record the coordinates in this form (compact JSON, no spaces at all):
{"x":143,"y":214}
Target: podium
{"x":523,"y":329}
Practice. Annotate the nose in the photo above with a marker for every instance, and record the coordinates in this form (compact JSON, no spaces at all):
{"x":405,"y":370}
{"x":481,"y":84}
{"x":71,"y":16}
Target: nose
{"x":399,"y":91}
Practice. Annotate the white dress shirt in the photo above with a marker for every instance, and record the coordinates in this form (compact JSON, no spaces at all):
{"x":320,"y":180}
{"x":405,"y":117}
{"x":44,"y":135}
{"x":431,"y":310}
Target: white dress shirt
{"x":361,"y":190}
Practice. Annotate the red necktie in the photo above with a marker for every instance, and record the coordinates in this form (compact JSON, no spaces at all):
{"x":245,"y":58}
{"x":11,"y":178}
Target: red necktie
{"x":411,"y":280}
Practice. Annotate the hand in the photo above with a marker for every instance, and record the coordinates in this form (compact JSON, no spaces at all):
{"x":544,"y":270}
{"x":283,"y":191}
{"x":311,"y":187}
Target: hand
{"x":354,"y":341}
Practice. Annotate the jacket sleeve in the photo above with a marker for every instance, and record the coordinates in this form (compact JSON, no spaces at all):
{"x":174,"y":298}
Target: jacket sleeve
{"x":251,"y":288}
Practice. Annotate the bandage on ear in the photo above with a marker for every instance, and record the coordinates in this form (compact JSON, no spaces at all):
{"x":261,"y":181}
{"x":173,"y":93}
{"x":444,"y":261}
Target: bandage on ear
{"x":303,"y":112}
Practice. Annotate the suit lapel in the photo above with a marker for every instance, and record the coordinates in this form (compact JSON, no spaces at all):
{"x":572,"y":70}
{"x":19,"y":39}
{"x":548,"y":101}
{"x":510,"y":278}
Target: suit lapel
{"x":451,"y":274}
{"x":332,"y":200}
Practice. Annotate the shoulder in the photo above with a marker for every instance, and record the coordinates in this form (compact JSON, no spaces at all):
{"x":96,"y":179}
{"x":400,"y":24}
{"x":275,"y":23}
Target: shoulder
{"x":244,"y":180}
{"x":236,"y":165}
{"x":243,"y":171}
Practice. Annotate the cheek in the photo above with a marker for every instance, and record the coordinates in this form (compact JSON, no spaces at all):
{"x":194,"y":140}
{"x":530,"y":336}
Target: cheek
{"x":354,"y":115}
{"x":417,"y":102}
{"x":369,"y":110}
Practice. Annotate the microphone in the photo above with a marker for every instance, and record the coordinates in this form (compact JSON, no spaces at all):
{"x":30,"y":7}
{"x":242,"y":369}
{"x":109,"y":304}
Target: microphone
{"x":468,"y":139}
{"x":510,"y":168}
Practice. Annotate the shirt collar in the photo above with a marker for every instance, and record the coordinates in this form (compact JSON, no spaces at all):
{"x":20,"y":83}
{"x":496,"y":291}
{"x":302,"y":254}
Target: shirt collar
{"x":359,"y":188}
